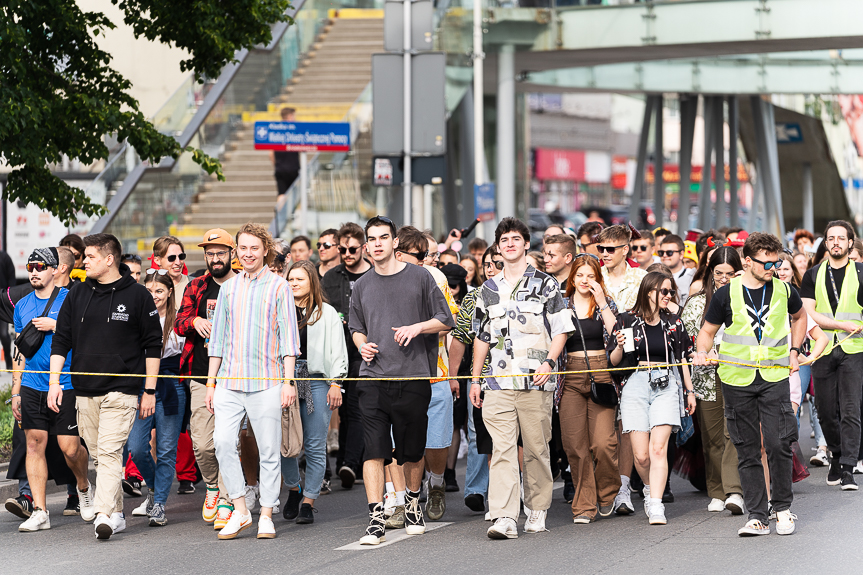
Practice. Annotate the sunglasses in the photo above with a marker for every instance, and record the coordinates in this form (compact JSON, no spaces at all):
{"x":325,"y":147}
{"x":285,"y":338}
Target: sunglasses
{"x":343,"y":250}
{"x":666,"y":291}
{"x":173,"y":258}
{"x":767,"y":265}
{"x":498,"y":265}
{"x":639,"y":248}
{"x":130,"y":258}
{"x":667,"y":253}
{"x":420,"y":256}
{"x":39,"y":267}
{"x":326,"y":245}
{"x":152,"y":271}
{"x":609,"y":249}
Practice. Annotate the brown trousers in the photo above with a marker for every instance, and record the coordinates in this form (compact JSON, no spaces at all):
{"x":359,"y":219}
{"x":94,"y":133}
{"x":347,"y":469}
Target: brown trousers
{"x":589,"y":436}
{"x":720,"y":455}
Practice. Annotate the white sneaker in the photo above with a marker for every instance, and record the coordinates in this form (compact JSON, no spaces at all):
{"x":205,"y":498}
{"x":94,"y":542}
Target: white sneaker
{"x":656,"y":515}
{"x":488,"y":515}
{"x":785,"y":522}
{"x":266,"y":529}
{"x":143,"y":510}
{"x":104,"y":527}
{"x":646,"y":493}
{"x":38,"y":521}
{"x":235,"y":524}
{"x":623,"y":501}
{"x":535,"y":522}
{"x":735,"y":504}
{"x":118,"y":521}
{"x":858,"y":468}
{"x":85,"y":500}
{"x":754,"y":527}
{"x":820,"y":458}
{"x":503,"y":528}
{"x":252,"y":494}
{"x":389,"y":503}
{"x":716,"y":505}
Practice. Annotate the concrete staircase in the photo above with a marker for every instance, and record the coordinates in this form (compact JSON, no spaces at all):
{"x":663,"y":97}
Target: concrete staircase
{"x":331,"y":77}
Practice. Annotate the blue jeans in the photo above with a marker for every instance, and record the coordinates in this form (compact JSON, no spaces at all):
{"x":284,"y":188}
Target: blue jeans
{"x":476,"y":477}
{"x":159,"y":474}
{"x":805,"y":375}
{"x":315,"y":426}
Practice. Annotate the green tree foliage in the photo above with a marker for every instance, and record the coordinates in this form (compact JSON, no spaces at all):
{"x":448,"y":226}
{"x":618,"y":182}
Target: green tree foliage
{"x":59,"y":95}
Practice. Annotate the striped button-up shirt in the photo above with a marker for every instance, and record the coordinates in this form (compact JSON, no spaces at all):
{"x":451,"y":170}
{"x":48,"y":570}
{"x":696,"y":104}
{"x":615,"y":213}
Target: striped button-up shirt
{"x":254,"y":328}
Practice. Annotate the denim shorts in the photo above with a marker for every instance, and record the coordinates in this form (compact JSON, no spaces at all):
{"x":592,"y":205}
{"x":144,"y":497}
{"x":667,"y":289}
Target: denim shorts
{"x":439,"y":434}
{"x":642,"y":408}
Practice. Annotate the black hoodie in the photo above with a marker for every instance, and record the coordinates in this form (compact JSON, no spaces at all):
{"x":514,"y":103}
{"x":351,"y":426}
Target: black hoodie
{"x":110,"y":328}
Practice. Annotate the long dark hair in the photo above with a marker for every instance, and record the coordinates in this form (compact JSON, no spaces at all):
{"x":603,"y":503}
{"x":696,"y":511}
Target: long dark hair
{"x":651,"y":282}
{"x":316,"y":298}
{"x":722,"y":255}
{"x":170,"y":309}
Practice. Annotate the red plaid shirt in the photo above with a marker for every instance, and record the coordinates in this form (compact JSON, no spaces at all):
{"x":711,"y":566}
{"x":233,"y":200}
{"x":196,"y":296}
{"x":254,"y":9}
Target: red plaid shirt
{"x":184,"y":324}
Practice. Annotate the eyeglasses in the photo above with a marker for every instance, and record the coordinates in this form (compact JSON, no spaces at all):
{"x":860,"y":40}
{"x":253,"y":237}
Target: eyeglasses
{"x":173,"y":258}
{"x":352,"y":250}
{"x":667,"y":253}
{"x":38,"y":266}
{"x":420,"y":256}
{"x":666,"y":291}
{"x":497,"y":264}
{"x":326,"y":245}
{"x":609,"y":249}
{"x":721,"y":275}
{"x":639,"y":248}
{"x":432,"y":255}
{"x":152,"y":271}
{"x":767,"y":265}
{"x":219,"y":254}
{"x":130,"y":258}
{"x":584,"y":245}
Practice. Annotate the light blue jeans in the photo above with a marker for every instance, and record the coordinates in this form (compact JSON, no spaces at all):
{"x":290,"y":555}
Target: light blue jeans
{"x":805,"y":375}
{"x":476,"y":477}
{"x":315,"y":426}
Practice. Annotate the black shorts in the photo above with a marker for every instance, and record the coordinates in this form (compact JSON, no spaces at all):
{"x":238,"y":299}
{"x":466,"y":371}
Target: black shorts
{"x":36,"y":415}
{"x":284,"y":181}
{"x":394,"y":412}
{"x":459,"y":406}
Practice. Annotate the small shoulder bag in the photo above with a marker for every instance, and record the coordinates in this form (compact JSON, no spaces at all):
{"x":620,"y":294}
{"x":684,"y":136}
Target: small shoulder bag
{"x":604,"y":394}
{"x":30,"y":339}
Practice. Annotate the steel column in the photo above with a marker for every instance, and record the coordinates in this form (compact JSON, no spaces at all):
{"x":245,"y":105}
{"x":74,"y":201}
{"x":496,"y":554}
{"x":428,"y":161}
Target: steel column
{"x":808,"y":202}
{"x":704,"y":204}
{"x":506,"y":131}
{"x":733,"y":129}
{"x":638,"y":186}
{"x":658,"y":166}
{"x":688,"y":113}
{"x":719,"y":149}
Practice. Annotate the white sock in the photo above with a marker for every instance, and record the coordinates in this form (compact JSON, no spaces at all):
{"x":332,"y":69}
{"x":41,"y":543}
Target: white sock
{"x":435,"y":480}
{"x":390,"y":487}
{"x":654,"y":500}
{"x":400,"y":497}
{"x":624,"y":481}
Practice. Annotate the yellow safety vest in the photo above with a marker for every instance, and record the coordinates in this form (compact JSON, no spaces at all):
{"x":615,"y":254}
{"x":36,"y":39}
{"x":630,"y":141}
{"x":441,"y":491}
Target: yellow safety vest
{"x":847,"y":310}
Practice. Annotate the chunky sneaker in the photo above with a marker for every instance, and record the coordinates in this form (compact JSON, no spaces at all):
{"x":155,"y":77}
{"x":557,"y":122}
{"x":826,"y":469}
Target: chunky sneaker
{"x":847,"y":482}
{"x":436,"y":504}
{"x":503,"y":528}
{"x":87,"y":506}
{"x":389,"y":503}
{"x":38,"y":521}
{"x":72,"y":505}
{"x":414,"y":522}
{"x":834,"y":475}
{"x":307,"y":514}
{"x":292,"y":507}
{"x":104,"y":527}
{"x":606,"y":510}
{"x":535,"y":522}
{"x":211,"y":500}
{"x":735,"y":504}
{"x":646,"y":493}
{"x":266,"y":529}
{"x":348,"y":477}
{"x":397,"y":519}
{"x":656,"y":514}
{"x":235,"y":524}
{"x":820,"y":458}
{"x":716,"y":505}
{"x":376,"y":531}
{"x":143,"y":510}
{"x":157,"y":515}
{"x":21,"y":506}
{"x":858,"y":468}
{"x":132,"y":487}
{"x":118,"y":521}
{"x":325,"y":487}
{"x":623,"y":502}
{"x":785,"y":522}
{"x":223,"y":515}
{"x":252,"y":494}
{"x":581,"y":519}
{"x":186,"y":487}
{"x":754,"y":527}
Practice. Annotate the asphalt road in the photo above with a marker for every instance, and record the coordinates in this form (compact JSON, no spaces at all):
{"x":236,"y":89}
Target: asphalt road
{"x":828,"y":534}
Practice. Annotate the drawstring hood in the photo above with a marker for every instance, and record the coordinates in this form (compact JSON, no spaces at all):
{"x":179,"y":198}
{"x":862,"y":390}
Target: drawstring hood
{"x":89,"y":299}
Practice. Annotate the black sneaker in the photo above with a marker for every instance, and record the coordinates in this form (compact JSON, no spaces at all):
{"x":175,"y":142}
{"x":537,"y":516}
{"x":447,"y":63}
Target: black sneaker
{"x":132,"y":487}
{"x":450,"y":480}
{"x":325,"y":487}
{"x":568,"y":491}
{"x":21,"y":506}
{"x":847,"y":482}
{"x":667,"y":495}
{"x":73,"y":505}
{"x":306,"y":516}
{"x":292,"y":507}
{"x":414,"y":522}
{"x":475,"y":502}
{"x":834,"y":475}
{"x":376,"y":531}
{"x":186,"y":487}
{"x":348,"y":476}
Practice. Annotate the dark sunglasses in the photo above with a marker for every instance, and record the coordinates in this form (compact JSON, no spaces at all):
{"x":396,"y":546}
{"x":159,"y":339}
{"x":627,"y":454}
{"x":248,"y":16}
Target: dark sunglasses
{"x":498,"y":264}
{"x":639,"y":248}
{"x":130,"y":258}
{"x":667,"y":253}
{"x":152,"y":271}
{"x":666,"y":291}
{"x":173,"y":258}
{"x":767,"y":265}
{"x":326,"y":245}
{"x":609,"y":249}
{"x":38,"y":266}
{"x":343,"y":250}
{"x":420,"y":256}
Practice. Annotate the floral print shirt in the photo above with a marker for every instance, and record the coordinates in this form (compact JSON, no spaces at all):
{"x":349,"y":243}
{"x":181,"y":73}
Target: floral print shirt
{"x":625,"y":294}
{"x":703,"y":377}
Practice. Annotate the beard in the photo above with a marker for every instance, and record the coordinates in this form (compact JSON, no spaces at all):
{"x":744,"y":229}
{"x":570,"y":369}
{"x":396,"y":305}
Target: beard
{"x":844,"y":253}
{"x":37,"y":283}
{"x":220,"y":272}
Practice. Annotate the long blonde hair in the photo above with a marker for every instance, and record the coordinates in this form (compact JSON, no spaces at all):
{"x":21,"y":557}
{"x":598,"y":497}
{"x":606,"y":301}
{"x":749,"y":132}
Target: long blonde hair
{"x":316,"y":299}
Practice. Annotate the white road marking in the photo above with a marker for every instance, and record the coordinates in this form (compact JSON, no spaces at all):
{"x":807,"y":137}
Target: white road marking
{"x":393,"y":536}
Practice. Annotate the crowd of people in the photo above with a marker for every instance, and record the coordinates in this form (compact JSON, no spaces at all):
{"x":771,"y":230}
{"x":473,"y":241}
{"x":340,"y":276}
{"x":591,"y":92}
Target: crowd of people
{"x":603,"y":360}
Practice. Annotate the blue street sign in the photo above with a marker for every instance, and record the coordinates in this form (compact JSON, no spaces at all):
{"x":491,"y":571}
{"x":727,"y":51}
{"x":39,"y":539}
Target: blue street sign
{"x":303,"y":136}
{"x":788,"y":133}
{"x":483,"y":201}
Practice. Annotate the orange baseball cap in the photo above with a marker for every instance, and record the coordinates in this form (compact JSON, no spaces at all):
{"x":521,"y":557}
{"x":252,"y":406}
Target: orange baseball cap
{"x":217,"y":237}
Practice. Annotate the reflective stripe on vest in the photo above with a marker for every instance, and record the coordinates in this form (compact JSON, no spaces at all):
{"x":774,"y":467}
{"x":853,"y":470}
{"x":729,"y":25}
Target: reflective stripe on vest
{"x":740,"y":344}
{"x":847,"y":309}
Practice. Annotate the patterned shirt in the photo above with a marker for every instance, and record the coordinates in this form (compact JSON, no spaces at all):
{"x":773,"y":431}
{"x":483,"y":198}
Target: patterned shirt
{"x":624,"y":295}
{"x":704,"y":376}
{"x":463,"y":330}
{"x":519,"y":322}
{"x":442,"y":355}
{"x":254,"y":328}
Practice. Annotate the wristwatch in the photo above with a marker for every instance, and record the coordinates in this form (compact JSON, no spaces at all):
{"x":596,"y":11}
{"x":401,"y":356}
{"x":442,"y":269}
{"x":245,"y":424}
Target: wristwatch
{"x":550,"y":362}
{"x":149,"y":391}
{"x":797,"y":349}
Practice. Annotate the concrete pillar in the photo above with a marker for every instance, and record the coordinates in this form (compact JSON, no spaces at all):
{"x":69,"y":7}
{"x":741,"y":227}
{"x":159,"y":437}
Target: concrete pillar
{"x":704,"y":205}
{"x":658,"y":166}
{"x":505,"y":163}
{"x":719,"y":149}
{"x":641,"y":159}
{"x":733,"y":128}
{"x":688,"y":113}
{"x":808,"y":203}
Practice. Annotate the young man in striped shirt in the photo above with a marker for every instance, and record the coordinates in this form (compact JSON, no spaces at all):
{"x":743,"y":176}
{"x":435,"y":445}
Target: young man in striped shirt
{"x":254,"y":335}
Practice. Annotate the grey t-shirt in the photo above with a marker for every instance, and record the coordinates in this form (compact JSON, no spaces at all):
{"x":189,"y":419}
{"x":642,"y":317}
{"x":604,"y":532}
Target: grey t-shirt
{"x":380,"y":303}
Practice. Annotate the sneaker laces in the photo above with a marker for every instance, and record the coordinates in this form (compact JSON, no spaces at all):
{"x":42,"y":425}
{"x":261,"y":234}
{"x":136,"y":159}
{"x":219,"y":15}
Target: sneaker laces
{"x":756,"y":524}
{"x":86,"y":497}
{"x":212,"y":497}
{"x":412,"y":507}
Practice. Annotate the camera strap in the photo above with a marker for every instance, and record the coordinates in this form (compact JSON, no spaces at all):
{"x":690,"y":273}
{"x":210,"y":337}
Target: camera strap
{"x":647,"y":350}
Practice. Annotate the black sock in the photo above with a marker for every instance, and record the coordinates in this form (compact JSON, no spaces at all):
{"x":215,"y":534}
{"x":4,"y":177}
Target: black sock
{"x":372,"y":506}
{"x":412,"y":494}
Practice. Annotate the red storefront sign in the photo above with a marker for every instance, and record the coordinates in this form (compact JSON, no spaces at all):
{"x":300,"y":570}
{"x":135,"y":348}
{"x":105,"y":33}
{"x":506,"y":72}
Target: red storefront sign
{"x":567,"y":165}
{"x":618,"y":172}
{"x":671,"y":173}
